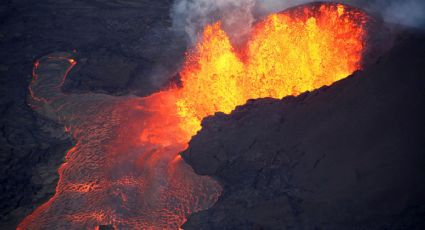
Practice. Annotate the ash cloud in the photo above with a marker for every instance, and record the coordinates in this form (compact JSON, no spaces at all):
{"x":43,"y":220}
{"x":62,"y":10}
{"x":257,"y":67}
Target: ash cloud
{"x":237,"y":16}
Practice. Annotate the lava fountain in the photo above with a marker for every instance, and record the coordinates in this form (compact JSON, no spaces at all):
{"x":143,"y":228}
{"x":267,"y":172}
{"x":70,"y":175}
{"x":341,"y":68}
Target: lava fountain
{"x":125,"y":169}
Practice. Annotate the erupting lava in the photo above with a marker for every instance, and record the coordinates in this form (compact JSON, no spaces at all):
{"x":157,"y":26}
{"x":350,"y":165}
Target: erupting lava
{"x":125,"y":169}
{"x":288,"y":53}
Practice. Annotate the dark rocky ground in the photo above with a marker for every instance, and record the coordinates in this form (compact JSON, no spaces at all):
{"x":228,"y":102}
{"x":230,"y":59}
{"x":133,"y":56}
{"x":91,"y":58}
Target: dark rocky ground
{"x":120,"y":45}
{"x":349,"y":156}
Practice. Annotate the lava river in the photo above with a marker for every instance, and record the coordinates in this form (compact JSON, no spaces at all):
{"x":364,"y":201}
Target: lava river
{"x":125,"y":169}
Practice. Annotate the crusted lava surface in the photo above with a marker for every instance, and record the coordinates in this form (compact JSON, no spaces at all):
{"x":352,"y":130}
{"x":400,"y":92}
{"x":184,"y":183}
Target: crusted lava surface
{"x":122,"y":34}
{"x":119,"y":46}
{"x":348,"y":156}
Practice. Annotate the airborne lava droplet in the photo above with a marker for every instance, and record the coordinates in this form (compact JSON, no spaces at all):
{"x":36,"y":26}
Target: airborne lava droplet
{"x":125,"y":170}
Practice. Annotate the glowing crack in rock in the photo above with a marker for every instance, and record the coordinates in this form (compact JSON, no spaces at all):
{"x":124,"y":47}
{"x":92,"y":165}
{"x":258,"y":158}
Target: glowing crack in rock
{"x":125,"y":169}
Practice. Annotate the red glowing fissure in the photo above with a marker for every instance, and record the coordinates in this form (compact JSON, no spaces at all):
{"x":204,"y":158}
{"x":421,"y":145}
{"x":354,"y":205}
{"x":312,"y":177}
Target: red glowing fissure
{"x":125,"y":169}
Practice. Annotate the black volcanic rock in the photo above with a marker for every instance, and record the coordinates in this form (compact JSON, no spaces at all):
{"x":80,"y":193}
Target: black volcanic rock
{"x":124,"y":44}
{"x":32,"y":148}
{"x":132,"y":36}
{"x":101,"y":73}
{"x":348,"y":156}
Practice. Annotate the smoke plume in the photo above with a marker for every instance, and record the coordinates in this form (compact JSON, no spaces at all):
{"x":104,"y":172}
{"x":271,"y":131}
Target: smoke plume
{"x":405,"y":12}
{"x":192,"y":15}
{"x":237,"y":16}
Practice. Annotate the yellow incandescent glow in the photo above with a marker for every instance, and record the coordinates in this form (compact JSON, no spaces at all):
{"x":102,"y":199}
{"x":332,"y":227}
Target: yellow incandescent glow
{"x":287,"y":54}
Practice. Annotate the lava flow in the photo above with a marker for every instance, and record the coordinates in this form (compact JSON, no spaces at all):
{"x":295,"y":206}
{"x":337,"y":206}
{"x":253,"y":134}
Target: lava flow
{"x":125,"y":169}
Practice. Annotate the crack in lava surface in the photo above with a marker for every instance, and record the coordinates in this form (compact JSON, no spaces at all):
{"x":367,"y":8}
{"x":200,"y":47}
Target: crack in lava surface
{"x":125,"y":169}
{"x":110,"y":176}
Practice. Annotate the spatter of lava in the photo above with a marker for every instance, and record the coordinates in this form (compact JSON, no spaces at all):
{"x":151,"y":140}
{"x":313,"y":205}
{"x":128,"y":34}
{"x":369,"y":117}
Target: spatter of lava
{"x":125,"y":169}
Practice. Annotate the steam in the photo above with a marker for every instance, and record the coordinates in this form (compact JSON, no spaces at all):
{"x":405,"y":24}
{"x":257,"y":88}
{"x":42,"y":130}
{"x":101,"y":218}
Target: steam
{"x":264,"y":7}
{"x":192,"y":15}
{"x":237,"y":16}
{"x":406,"y":12}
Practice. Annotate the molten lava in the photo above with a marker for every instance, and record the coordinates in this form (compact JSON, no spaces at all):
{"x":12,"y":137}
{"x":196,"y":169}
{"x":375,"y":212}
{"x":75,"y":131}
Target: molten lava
{"x":126,"y":170}
{"x":287,"y":54}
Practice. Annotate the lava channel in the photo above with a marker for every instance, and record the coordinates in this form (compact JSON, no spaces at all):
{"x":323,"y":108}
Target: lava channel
{"x":125,"y":169}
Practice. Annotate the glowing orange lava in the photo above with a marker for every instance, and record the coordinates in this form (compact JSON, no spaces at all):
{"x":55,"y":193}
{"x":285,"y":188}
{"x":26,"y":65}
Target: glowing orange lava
{"x":126,"y":170}
{"x":287,"y":54}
